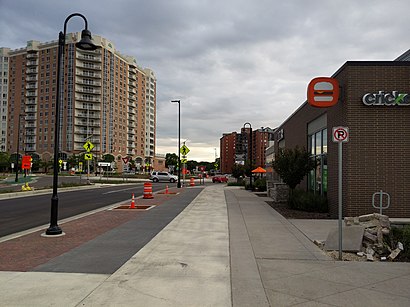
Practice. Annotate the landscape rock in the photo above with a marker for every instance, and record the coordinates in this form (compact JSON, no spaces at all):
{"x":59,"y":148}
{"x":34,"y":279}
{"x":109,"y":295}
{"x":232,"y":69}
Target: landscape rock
{"x":376,"y":236}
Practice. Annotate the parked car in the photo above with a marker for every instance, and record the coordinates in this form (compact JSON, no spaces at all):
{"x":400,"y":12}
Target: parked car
{"x":163,"y":176}
{"x":219,"y":178}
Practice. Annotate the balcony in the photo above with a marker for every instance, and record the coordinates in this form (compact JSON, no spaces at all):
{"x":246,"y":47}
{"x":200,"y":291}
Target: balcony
{"x":31,"y":117}
{"x":87,"y":98}
{"x":90,"y":123}
{"x":31,"y":55}
{"x":31,"y":71}
{"x":90,"y":115}
{"x":31,"y":132}
{"x":31,"y":101}
{"x":31,"y":147}
{"x":84,"y":131}
{"x":31,"y":79}
{"x":31,"y":94}
{"x":31,"y":86}
{"x":31,"y":63}
{"x":30,"y":140}
{"x":30,"y":125}
{"x":88,"y":57}
{"x":89,"y":66}
{"x":88,"y":91}
{"x":87,"y":83}
{"x":31,"y":109}
{"x":88,"y":74}
{"x":83,"y":106}
{"x":130,"y":152}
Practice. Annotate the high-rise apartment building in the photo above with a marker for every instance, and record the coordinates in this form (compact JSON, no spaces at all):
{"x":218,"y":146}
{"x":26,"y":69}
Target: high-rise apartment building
{"x":107,"y":99}
{"x":234,"y":147}
{"x":150,"y":114}
{"x":4,"y":80}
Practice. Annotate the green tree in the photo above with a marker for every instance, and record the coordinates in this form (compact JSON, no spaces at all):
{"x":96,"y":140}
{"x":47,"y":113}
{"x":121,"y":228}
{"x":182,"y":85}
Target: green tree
{"x":293,"y":165}
{"x":238,"y":171}
{"x":171,"y":159}
{"x":108,"y":158}
{"x":4,"y":161}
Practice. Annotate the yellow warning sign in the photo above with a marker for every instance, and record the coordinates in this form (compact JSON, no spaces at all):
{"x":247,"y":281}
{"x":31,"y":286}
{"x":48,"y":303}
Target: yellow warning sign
{"x":88,"y":146}
{"x":88,"y":156}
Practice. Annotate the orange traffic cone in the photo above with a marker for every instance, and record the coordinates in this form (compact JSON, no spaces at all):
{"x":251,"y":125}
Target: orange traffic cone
{"x":192,"y":182}
{"x":166,"y":189}
{"x":132,"y":202}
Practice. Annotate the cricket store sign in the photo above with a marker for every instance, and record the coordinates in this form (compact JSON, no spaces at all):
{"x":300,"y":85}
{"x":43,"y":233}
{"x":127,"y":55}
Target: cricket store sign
{"x":394,"y":98}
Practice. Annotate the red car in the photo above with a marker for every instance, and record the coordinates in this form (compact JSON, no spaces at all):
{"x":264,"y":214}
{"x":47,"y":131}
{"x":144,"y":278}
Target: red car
{"x":219,"y":178}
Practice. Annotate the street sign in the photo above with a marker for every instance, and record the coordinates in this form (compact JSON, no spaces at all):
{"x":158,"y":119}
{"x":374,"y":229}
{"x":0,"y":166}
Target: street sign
{"x":26,"y":162}
{"x":340,"y":134}
{"x":184,"y":150}
{"x":184,"y":161}
{"x":126,"y":159}
{"x":60,"y":162}
{"x":104,"y":164}
{"x":88,"y":146}
{"x":88,"y":156}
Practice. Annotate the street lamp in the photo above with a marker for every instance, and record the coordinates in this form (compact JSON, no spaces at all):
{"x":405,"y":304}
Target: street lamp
{"x":85,"y":44}
{"x":179,"y":142}
{"x":249,"y":151}
{"x":18,"y":149}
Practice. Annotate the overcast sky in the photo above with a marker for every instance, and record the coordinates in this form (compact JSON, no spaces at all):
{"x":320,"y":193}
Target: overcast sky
{"x":228,"y":61}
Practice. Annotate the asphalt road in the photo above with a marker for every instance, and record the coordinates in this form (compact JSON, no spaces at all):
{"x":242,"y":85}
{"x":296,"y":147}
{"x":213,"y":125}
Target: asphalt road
{"x":24,"y":213}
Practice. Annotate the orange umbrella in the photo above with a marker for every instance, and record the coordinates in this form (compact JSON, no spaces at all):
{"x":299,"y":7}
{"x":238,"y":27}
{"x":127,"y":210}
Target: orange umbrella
{"x":259,"y":170}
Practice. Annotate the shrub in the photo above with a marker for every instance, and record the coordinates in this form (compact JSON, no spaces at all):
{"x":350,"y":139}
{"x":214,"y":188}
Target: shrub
{"x":402,"y":235}
{"x":260,"y":184}
{"x":307,"y":201}
{"x":236,"y":184}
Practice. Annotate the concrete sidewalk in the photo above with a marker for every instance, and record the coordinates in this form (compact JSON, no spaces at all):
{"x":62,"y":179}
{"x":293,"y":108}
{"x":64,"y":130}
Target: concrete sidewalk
{"x":227,"y":248}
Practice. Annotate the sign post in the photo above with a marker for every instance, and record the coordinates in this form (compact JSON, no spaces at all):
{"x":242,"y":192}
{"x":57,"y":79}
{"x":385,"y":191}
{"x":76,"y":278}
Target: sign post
{"x":88,"y":146}
{"x":184,"y":150}
{"x":340,"y":135}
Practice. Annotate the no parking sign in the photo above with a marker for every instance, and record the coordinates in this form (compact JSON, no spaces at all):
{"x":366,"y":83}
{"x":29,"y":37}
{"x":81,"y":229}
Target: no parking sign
{"x":340,"y":134}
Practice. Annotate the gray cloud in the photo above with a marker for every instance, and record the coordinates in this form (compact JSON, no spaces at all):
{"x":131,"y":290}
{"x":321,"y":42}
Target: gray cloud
{"x":229,"y":62}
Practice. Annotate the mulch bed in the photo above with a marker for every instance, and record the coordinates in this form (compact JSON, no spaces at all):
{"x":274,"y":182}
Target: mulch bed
{"x":288,"y":213}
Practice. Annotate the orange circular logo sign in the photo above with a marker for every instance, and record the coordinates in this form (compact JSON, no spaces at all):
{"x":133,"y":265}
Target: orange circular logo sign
{"x":323,"y":92}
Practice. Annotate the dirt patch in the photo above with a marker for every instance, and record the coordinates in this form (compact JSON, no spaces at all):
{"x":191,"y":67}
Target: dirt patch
{"x":288,"y":213}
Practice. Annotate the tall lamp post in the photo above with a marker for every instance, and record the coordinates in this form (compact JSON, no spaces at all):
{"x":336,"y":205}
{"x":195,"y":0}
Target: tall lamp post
{"x":85,"y":44}
{"x":179,"y":142}
{"x":18,"y":149}
{"x":249,"y":151}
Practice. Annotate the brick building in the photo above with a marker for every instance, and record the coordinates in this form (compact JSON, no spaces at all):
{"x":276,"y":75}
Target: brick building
{"x":234,"y":147}
{"x":374,"y":104}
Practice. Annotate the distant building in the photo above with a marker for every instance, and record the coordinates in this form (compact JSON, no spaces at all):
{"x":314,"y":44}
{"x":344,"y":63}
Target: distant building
{"x":108,"y":99}
{"x":234,"y":148}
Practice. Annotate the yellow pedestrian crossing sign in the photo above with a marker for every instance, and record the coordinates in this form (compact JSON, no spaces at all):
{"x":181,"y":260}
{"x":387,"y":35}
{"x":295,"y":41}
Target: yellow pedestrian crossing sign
{"x":184,"y":161}
{"x":184,"y":150}
{"x":88,"y":156}
{"x":88,"y":146}
{"x":60,"y":162}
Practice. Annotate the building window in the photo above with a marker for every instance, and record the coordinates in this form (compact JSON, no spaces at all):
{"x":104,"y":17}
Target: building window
{"x":317,"y":178}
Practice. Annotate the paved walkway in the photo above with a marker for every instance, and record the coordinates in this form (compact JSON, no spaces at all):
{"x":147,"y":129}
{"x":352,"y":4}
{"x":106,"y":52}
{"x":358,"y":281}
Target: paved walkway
{"x":226,"y":248}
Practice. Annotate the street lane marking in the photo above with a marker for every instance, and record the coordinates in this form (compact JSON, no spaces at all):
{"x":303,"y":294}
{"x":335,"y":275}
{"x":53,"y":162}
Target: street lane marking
{"x":118,"y":191}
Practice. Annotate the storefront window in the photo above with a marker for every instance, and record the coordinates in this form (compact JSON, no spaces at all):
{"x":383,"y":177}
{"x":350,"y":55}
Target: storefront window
{"x":318,"y":142}
{"x":312,"y":144}
{"x":317,"y":178}
{"x":324,"y":140}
